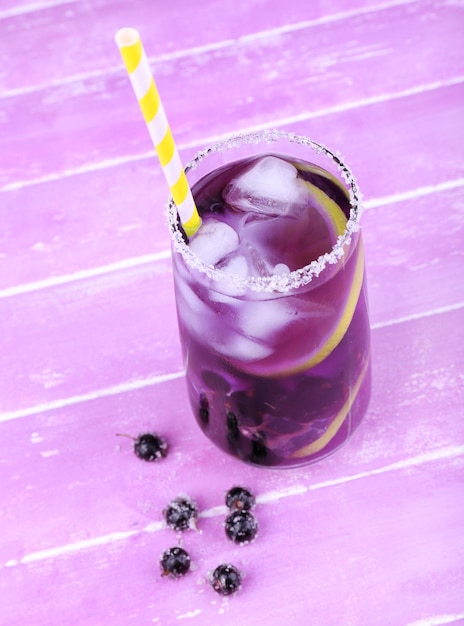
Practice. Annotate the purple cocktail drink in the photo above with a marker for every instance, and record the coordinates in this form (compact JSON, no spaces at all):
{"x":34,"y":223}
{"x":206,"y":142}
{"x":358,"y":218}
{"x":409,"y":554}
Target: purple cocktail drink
{"x":271,"y":300}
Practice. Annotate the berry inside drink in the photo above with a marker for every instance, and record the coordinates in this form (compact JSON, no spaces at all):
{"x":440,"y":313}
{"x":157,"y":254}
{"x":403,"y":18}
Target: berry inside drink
{"x":273,"y":323}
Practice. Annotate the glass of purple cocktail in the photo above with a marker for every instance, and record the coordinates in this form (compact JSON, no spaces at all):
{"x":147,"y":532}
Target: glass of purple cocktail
{"x":271,"y":299}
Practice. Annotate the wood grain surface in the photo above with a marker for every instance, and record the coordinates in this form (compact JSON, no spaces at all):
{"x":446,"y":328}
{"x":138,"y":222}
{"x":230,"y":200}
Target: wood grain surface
{"x":371,"y":536}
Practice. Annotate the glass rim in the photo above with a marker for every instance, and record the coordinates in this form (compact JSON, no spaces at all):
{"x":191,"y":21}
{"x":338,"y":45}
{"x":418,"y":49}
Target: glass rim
{"x":275,"y":282}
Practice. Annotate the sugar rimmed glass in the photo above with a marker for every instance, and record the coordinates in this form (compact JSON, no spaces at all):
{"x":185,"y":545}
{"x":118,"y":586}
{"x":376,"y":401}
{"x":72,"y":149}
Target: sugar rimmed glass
{"x":277,"y":366}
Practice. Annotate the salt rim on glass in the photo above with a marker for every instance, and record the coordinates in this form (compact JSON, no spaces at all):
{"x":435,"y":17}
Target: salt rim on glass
{"x":281,"y":283}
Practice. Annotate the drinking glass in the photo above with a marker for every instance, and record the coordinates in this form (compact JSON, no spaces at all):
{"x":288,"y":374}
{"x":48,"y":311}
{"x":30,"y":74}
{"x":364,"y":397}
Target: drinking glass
{"x":277,"y":365}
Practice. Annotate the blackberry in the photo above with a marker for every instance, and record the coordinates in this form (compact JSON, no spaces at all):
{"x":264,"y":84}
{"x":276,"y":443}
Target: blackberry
{"x":225,"y":579}
{"x":240,"y":499}
{"x":149,"y":446}
{"x":258,"y":448}
{"x":181,"y":513}
{"x":204,"y":409}
{"x":175,"y":562}
{"x":241,"y":526}
{"x":233,"y":432}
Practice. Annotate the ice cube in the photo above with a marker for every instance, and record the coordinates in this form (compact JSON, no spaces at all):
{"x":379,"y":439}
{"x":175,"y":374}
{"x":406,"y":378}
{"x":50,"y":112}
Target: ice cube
{"x":236,"y":267}
{"x":239,"y":347}
{"x":214,"y":241}
{"x":188,"y":301}
{"x":189,"y":298}
{"x":257,"y":264}
{"x":270,"y":187}
{"x":261,"y":320}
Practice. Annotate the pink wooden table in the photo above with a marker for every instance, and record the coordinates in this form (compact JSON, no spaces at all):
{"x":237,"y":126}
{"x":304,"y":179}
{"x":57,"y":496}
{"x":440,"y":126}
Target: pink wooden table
{"x":374,"y":535}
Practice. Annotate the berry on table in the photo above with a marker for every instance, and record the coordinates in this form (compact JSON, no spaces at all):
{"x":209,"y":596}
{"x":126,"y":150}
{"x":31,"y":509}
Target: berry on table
{"x":181,"y":513}
{"x":175,"y":562}
{"x":149,"y":446}
{"x":241,"y":526}
{"x":225,"y":579}
{"x":240,"y":499}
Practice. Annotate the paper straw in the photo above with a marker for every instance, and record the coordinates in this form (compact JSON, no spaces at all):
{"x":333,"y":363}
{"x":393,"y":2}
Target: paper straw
{"x":143,"y":83}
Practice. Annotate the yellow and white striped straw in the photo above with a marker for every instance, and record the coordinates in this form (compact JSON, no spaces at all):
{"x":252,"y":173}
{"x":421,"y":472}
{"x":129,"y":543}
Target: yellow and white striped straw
{"x":143,"y":83}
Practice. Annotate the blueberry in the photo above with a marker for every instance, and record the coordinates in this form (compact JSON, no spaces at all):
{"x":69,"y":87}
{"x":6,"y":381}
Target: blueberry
{"x":149,"y":446}
{"x":241,"y":526}
{"x":174,"y":562}
{"x":240,"y":499}
{"x":181,"y":513}
{"x":226,"y":579}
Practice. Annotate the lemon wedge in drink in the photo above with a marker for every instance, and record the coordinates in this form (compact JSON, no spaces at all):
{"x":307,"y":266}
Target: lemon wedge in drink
{"x":328,"y":208}
{"x":319,"y":444}
{"x":345,"y":320}
{"x":320,"y":171}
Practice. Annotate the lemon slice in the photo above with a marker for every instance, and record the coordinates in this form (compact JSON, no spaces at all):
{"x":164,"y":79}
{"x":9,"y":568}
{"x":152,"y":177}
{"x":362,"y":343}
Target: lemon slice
{"x":319,"y":444}
{"x":345,"y":320}
{"x":328,"y":208}
{"x":320,"y":171}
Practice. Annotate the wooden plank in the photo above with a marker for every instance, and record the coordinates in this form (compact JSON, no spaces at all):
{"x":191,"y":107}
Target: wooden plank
{"x":129,"y":323}
{"x":347,"y":61}
{"x":377,"y":548}
{"x":33,"y":32}
{"x":61,"y":462}
{"x":102,"y":217}
{"x":12,"y":8}
{"x":414,"y":259}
